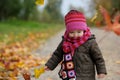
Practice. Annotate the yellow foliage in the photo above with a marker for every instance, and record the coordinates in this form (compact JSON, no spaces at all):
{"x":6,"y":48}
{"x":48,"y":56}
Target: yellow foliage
{"x":39,"y":2}
{"x":38,"y":72}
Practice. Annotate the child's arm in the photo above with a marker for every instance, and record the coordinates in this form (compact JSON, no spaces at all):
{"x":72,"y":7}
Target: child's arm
{"x":55,"y":59}
{"x":98,"y":58}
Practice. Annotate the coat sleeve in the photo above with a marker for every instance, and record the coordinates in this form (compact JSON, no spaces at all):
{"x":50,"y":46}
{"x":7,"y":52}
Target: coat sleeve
{"x":97,"y":57}
{"x":56,"y":57}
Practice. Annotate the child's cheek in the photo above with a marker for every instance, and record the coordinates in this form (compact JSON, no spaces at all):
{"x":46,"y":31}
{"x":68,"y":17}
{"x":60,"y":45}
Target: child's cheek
{"x":80,"y":34}
{"x":70,"y":35}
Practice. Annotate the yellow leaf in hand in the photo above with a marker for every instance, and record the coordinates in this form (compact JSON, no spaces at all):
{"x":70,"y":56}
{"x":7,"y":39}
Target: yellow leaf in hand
{"x":38,"y":72}
{"x":42,"y":70}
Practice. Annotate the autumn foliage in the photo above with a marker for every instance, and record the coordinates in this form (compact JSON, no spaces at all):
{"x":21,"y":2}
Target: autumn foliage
{"x":112,"y":24}
{"x":16,"y":59}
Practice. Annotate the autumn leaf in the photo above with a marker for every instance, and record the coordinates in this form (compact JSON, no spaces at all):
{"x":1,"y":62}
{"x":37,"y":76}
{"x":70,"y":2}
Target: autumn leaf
{"x":118,"y":62}
{"x":26,"y":76}
{"x":49,"y":78}
{"x":16,"y":56}
{"x":38,"y":72}
{"x":107,"y":17}
{"x":94,"y":17}
{"x":118,"y":73}
{"x":115,"y":26}
{"x":39,"y":2}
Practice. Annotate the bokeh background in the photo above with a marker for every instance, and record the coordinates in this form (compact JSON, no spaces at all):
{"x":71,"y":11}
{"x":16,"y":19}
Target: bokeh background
{"x":25,"y":26}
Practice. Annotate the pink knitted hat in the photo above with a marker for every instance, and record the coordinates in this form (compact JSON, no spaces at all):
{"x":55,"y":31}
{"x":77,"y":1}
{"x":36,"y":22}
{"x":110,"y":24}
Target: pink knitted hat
{"x":75,"y":20}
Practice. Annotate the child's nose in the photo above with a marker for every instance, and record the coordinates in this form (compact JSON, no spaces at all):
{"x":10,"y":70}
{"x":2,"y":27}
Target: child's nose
{"x":75,"y":35}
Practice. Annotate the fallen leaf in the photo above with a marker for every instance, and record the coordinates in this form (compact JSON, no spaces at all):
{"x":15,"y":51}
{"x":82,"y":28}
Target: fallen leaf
{"x":118,"y":62}
{"x":26,"y":75}
{"x":49,"y":79}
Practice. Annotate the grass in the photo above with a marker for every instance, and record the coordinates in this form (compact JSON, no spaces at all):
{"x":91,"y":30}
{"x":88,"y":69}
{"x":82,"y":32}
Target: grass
{"x":26,"y":26}
{"x":18,"y":27}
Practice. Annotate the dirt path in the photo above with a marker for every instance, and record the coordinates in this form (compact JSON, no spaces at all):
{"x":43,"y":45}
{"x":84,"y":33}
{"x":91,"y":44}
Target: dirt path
{"x":110,"y":47}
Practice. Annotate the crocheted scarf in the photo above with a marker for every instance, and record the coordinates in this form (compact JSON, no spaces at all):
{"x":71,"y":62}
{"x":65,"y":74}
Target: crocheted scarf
{"x":69,"y":46}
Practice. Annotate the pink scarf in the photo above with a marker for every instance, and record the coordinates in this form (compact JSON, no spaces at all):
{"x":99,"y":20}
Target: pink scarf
{"x":69,"y":45}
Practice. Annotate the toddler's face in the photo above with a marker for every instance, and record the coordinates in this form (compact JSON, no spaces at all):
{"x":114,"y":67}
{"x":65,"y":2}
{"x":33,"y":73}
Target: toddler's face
{"x":76,"y":33}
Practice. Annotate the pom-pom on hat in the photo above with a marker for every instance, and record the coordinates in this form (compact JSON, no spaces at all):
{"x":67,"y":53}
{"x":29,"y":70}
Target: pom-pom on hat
{"x":75,"y":20}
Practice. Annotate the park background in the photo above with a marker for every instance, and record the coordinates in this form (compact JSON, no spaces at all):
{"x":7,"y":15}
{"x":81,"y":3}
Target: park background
{"x":25,"y":26}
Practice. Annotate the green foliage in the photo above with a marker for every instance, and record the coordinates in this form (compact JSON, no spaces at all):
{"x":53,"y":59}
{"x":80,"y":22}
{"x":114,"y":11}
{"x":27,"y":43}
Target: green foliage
{"x":115,"y":8}
{"x":27,"y":10}
{"x":27,"y":7}
{"x":108,"y":4}
{"x":112,"y":6}
{"x":9,"y":8}
{"x":52,"y":11}
{"x":116,"y":4}
{"x":19,"y":26}
{"x":16,"y":8}
{"x":35,"y":14}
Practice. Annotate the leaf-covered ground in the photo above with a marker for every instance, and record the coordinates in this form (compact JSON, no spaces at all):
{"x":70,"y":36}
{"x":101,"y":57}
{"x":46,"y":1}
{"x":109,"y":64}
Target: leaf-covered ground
{"x":17,"y":40}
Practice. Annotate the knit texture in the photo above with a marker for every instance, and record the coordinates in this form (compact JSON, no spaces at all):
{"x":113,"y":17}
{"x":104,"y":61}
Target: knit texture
{"x":75,"y":20}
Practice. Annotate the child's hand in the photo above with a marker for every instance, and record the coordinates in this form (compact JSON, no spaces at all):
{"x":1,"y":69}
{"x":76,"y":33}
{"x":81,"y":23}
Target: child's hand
{"x":46,"y":68}
{"x":101,"y":75}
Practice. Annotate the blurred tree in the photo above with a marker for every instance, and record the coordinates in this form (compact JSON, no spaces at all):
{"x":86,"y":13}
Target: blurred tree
{"x":27,"y":7}
{"x":35,"y":14}
{"x":16,"y":9}
{"x":116,"y":4}
{"x":113,"y":6}
{"x":52,"y":11}
{"x":109,"y":4}
{"x":9,"y":8}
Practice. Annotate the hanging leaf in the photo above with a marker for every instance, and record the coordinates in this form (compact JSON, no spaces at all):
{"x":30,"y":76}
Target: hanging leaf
{"x":116,"y":29}
{"x":94,"y":17}
{"x":116,"y":24}
{"x":39,"y":2}
{"x":106,"y":16}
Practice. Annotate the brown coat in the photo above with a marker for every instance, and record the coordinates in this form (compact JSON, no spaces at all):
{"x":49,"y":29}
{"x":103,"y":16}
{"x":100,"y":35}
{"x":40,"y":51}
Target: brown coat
{"x":86,"y":58}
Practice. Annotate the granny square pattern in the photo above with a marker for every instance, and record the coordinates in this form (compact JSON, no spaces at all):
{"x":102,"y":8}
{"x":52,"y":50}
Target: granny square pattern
{"x":68,"y":57}
{"x":71,"y":73}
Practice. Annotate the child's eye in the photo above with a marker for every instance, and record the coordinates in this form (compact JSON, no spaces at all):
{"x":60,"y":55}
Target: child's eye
{"x":71,"y":32}
{"x":79,"y":31}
